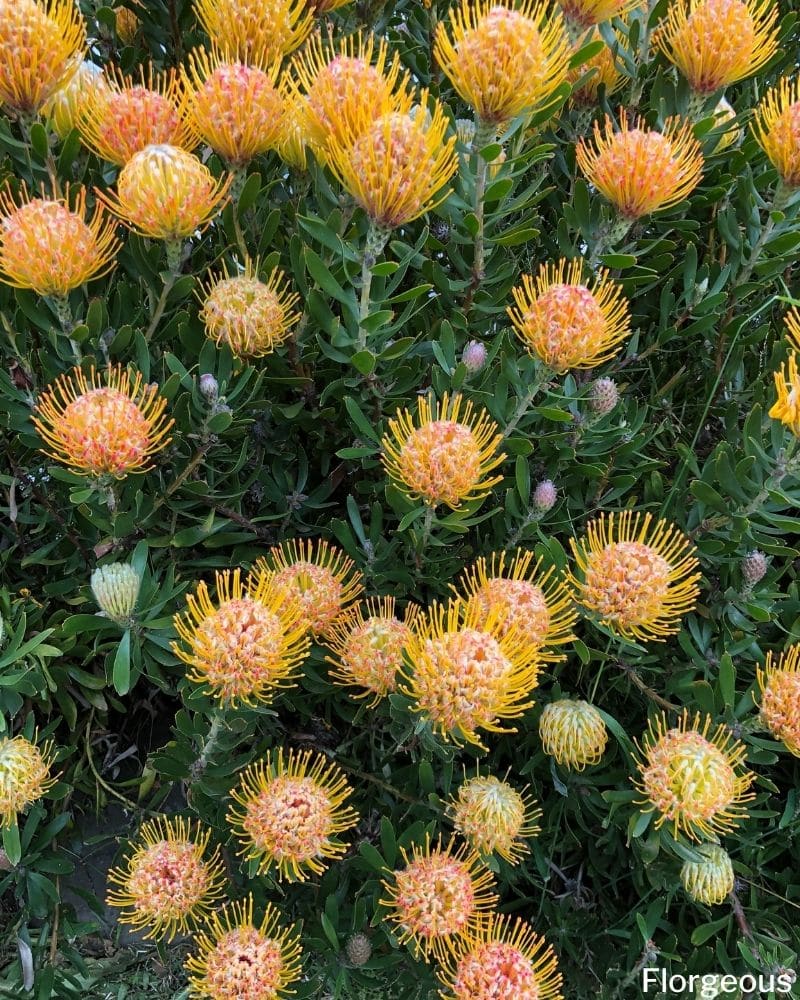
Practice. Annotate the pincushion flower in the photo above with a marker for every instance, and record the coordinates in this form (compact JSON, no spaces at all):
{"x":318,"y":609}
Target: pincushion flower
{"x":103,"y":425}
{"x":639,"y":578}
{"x":711,"y":880}
{"x":573,"y":732}
{"x":368,"y":642}
{"x":776,"y":125}
{"x":235,"y":958}
{"x":638,"y":170}
{"x":693,"y":776}
{"x":247,"y":646}
{"x":115,"y":587}
{"x":787,"y":385}
{"x":567,"y":322}
{"x":67,"y":104}
{"x":24,"y":776}
{"x":447,"y":455}
{"x":779,"y":682}
{"x":493,"y":817}
{"x":290,"y":813}
{"x":255,"y":32}
{"x":438,"y":897}
{"x":171,"y":883}
{"x":294,"y":138}
{"x":585,"y":14}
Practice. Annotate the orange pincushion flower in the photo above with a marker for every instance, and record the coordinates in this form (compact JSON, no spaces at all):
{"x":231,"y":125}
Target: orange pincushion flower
{"x":47,"y":246}
{"x":779,"y":681}
{"x":493,"y":817}
{"x":448,"y":457}
{"x":715,"y":43}
{"x":368,"y":650}
{"x":438,"y":897}
{"x":565,"y":323}
{"x":24,"y":776}
{"x":694,"y":778}
{"x":246,"y":647}
{"x":641,"y":171}
{"x":605,"y":72}
{"x":787,"y":406}
{"x":585,"y":14}
{"x":638,"y":581}
{"x":291,"y":813}
{"x":236,"y":959}
{"x":503,"y":58}
{"x":256,"y":32}
{"x":776,"y":126}
{"x":107,"y":426}
{"x":573,"y":732}
{"x":169,"y":885}
{"x":67,"y":104}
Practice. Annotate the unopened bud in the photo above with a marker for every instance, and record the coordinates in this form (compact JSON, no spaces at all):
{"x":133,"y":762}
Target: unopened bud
{"x":754,"y":567}
{"x":358,"y":949}
{"x":209,"y":387}
{"x":544,"y":496}
{"x":115,"y":588}
{"x":604,"y":396}
{"x":474,"y":356}
{"x":465,"y":130}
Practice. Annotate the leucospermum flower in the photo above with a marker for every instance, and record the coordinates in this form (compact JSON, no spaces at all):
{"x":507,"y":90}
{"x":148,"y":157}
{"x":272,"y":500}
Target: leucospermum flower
{"x":256,"y":32}
{"x":604,"y":72}
{"x":171,"y":882}
{"x":566,"y":322}
{"x":641,"y":171}
{"x":294,"y":138}
{"x":103,"y":425}
{"x":236,"y":958}
{"x":447,"y":456}
{"x":639,"y":578}
{"x":693,"y":776}
{"x":573,"y":732}
{"x":244,"y":648}
{"x":585,"y":14}
{"x":115,"y":587}
{"x":67,"y":104}
{"x":779,"y":681}
{"x":776,"y":125}
{"x":493,"y":817}
{"x":368,"y":642}
{"x":787,"y":385}
{"x":24,"y":776}
{"x":438,"y":897}
{"x":711,"y":880}
{"x":290,"y":813}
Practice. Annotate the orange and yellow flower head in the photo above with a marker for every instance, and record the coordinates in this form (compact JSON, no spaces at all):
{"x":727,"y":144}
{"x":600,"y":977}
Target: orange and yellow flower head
{"x":573,"y":732}
{"x":639,"y":578}
{"x":779,"y":681}
{"x":47,"y":245}
{"x":367,"y":643}
{"x":711,"y":880}
{"x":236,"y":958}
{"x":438,"y":897}
{"x":447,"y":455}
{"x":104,"y":425}
{"x":641,"y":171}
{"x":786,"y":407}
{"x":40,"y":45}
{"x":244,"y":648}
{"x":585,"y":14}
{"x":24,"y":776}
{"x":715,"y":43}
{"x":493,"y":817}
{"x":503,"y":58}
{"x":693,"y":776}
{"x":604,"y":72}
{"x":255,"y":32}
{"x":776,"y":125}
{"x":67,"y":104}
{"x":566,"y":322}
{"x":171,"y":883}
{"x":290,"y":811}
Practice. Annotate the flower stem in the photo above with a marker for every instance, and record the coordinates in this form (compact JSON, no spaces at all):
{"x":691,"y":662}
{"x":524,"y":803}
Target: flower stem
{"x":377,"y":237}
{"x":174,"y":251}
{"x":425,"y":537}
{"x":66,"y":322}
{"x":484,"y":134}
{"x":209,"y":745}
{"x":542,"y":377}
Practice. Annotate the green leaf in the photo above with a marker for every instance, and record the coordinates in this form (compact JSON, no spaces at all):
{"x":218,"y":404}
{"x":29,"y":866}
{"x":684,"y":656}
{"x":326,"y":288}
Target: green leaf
{"x":702,"y":933}
{"x":727,"y":680}
{"x":121,"y":673}
{"x":11,"y":843}
{"x":330,"y":930}
{"x":364,"y":362}
{"x":372,"y":856}
{"x":364,"y":427}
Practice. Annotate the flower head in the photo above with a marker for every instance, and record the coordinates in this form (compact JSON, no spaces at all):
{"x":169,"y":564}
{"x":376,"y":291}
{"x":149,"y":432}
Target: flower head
{"x":787,"y":385}
{"x":246,"y":647}
{"x":641,"y":171}
{"x":255,"y":32}
{"x":448,"y":457}
{"x":503,"y":58}
{"x":474,"y":356}
{"x":693,"y":777}
{"x":291,"y":812}
{"x":709,"y":881}
{"x":116,"y":587}
{"x":24,"y":776}
{"x":358,"y":949}
{"x":585,"y":14}
{"x":573,"y":732}
{"x":47,"y":245}
{"x":170,"y":884}
{"x":605,"y":72}
{"x":294,"y":138}
{"x":67,"y":104}
{"x":603,"y":397}
{"x":493,"y":817}
{"x":779,"y":681}
{"x":638,"y":579}
{"x":235,"y":958}
{"x":102,"y":426}
{"x":776,"y":125}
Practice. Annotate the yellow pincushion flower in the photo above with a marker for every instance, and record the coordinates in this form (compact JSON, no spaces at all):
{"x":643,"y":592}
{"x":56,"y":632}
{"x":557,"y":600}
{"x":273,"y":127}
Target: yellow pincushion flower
{"x":235,"y":958}
{"x":715,"y":43}
{"x":255,"y":32}
{"x":779,"y":682}
{"x":102,"y":425}
{"x":711,"y":880}
{"x":438,"y":897}
{"x":24,"y":776}
{"x":291,"y":812}
{"x":776,"y":125}
{"x":639,"y":578}
{"x":245,"y":648}
{"x":251,"y":316}
{"x":605,"y":71}
{"x":494,"y":818}
{"x":585,"y":14}
{"x":448,"y":457}
{"x":368,"y":648}
{"x":638,"y":170}
{"x":68,"y":103}
{"x":573,"y":732}
{"x":567,"y":323}
{"x":47,"y":245}
{"x":693,"y":777}
{"x":294,"y":138}
{"x":503,"y":58}
{"x":787,"y":385}
{"x":170,"y":884}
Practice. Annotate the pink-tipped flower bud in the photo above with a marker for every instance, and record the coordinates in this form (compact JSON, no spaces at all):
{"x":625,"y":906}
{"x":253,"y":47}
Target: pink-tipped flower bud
{"x":359,"y":949}
{"x":603,"y":397}
{"x":544,"y":496}
{"x":209,"y":387}
{"x":474,"y":356}
{"x":754,"y":567}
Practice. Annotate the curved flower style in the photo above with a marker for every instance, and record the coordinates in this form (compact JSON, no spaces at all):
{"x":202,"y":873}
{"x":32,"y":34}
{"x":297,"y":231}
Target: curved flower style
{"x":24,"y":776}
{"x":638,"y":170}
{"x":637,"y":580}
{"x":573,"y":732}
{"x":693,"y":777}
{"x":449,"y":457}
{"x":564,"y":322}
{"x":438,"y":897}
{"x":102,"y":426}
{"x":368,"y":649}
{"x":46,"y":245}
{"x":494,"y":818}
{"x":291,"y":812}
{"x":255,"y":32}
{"x":779,"y":682}
{"x":235,"y":958}
{"x":715,"y":43}
{"x":709,"y":881}
{"x":605,"y":72}
{"x":787,"y":385}
{"x":585,"y":14}
{"x":170,"y":884}
{"x":776,"y":126}
{"x":245,"y":648}
{"x":68,"y":103}
{"x":792,"y":323}
{"x":503,"y":58}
